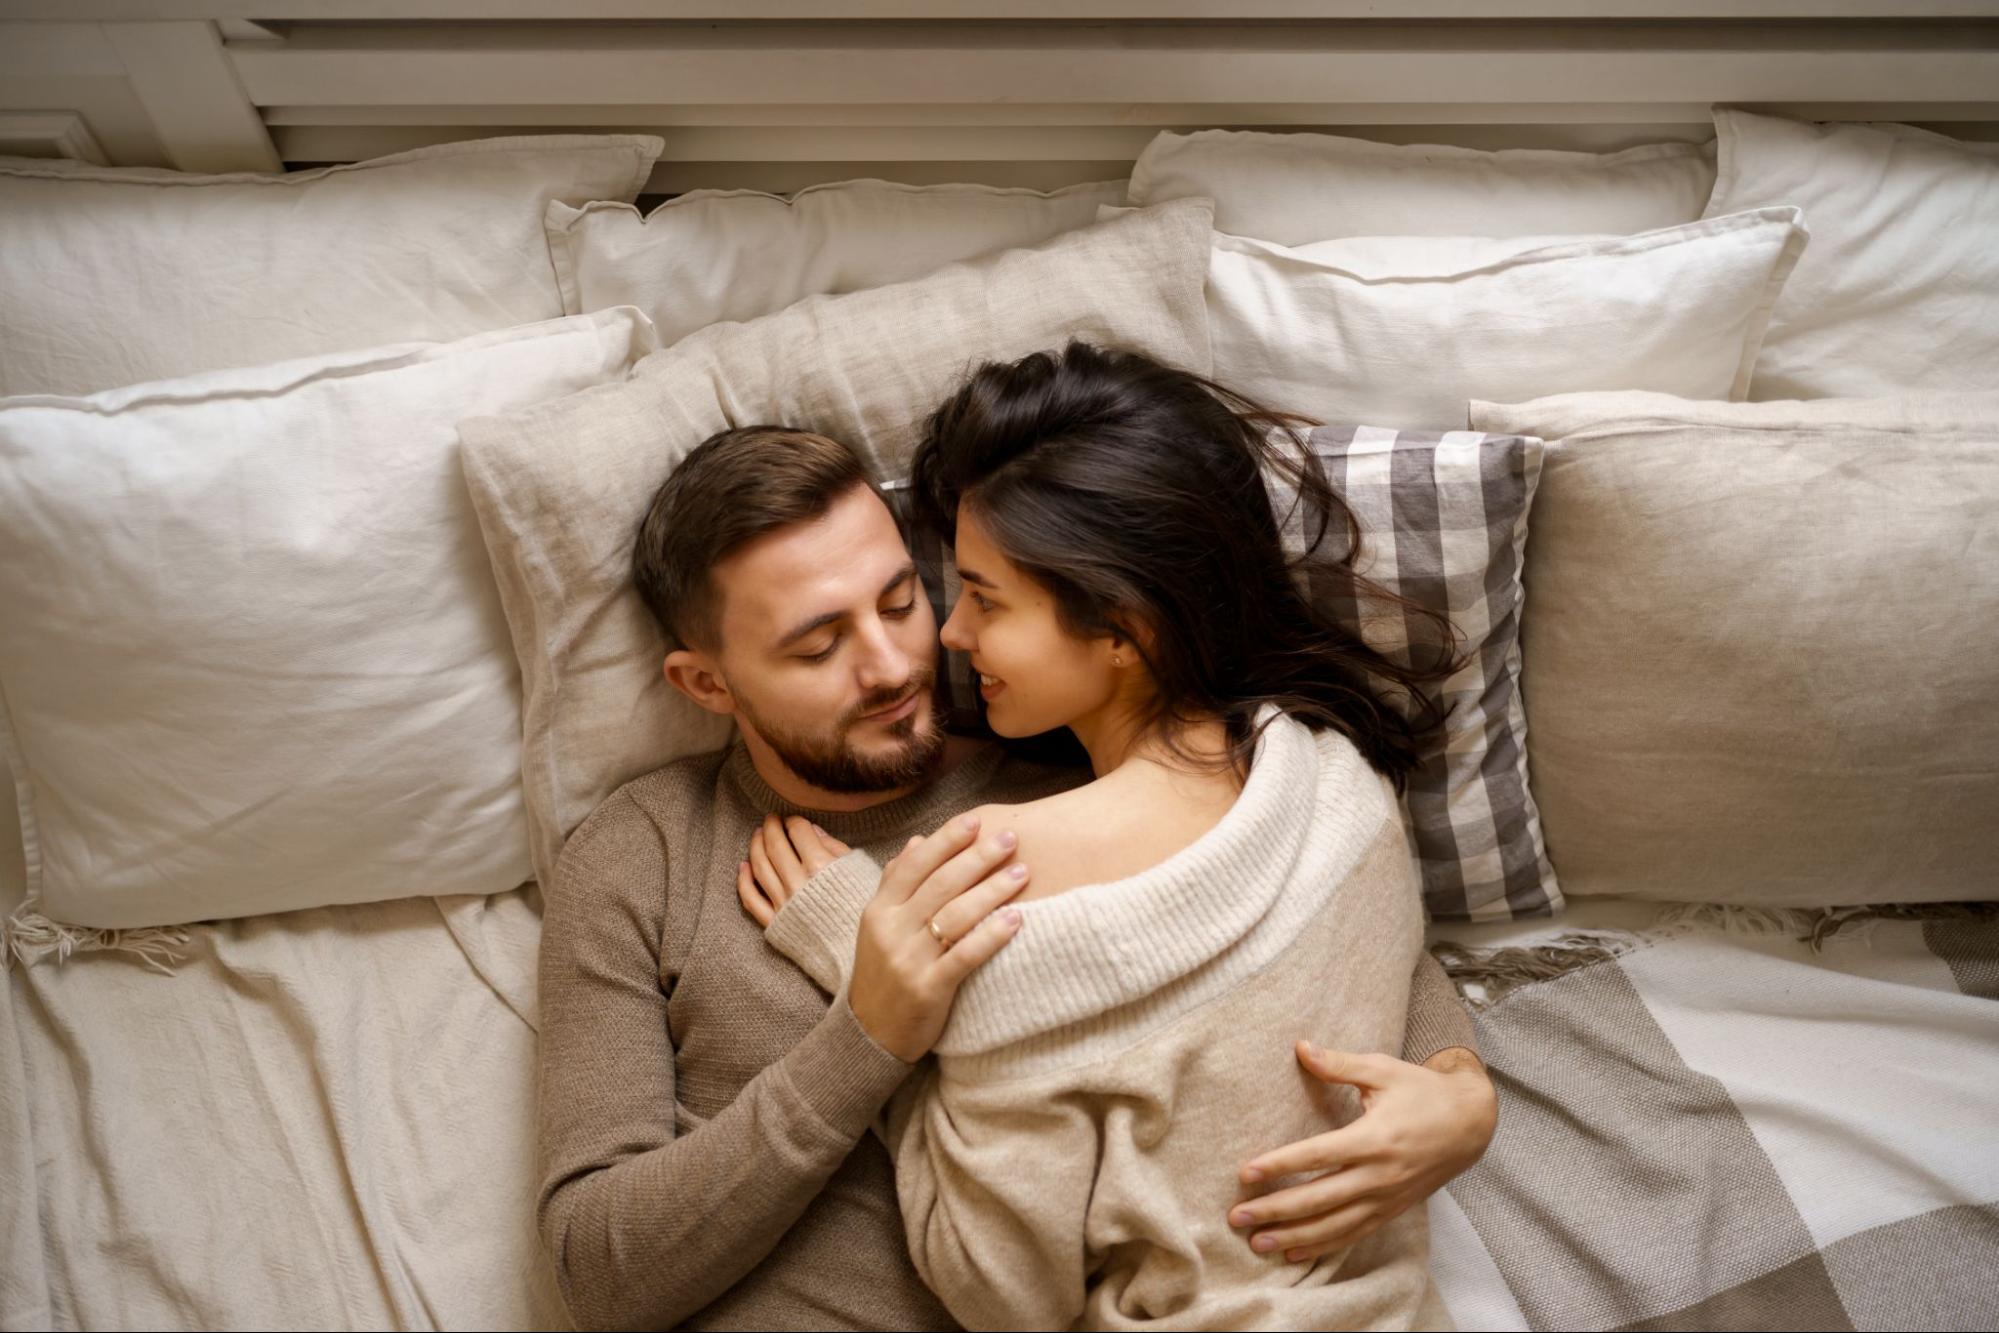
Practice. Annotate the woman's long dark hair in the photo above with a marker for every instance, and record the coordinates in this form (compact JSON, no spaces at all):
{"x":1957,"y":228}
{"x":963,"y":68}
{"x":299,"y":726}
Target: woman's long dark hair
{"x":1136,"y":494}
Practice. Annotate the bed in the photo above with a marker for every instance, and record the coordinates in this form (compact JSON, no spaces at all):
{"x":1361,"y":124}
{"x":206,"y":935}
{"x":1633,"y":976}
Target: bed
{"x":1799,"y":1141}
{"x":1772,"y":1111}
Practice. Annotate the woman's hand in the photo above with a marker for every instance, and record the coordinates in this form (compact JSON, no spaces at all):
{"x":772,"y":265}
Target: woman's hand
{"x":1419,"y":1126}
{"x":784,"y":853}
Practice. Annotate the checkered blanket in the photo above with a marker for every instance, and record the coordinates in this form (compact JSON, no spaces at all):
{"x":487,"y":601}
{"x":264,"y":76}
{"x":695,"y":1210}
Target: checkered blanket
{"x":1717,"y":1132}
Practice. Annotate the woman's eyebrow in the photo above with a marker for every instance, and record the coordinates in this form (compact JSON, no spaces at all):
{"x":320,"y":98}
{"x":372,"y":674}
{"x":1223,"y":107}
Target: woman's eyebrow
{"x":973,"y":576}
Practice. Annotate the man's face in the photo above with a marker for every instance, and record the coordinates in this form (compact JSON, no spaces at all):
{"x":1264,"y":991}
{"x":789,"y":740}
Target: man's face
{"x":829,"y":648}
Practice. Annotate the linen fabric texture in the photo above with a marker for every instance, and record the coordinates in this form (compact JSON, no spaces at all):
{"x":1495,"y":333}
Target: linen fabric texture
{"x":1294,"y":189}
{"x":714,"y":255}
{"x":255,"y":657}
{"x":119,"y":275}
{"x":1899,"y":291}
{"x":1758,"y":659}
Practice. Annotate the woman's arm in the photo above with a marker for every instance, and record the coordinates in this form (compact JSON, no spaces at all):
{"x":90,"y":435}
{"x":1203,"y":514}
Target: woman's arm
{"x":812,"y":894}
{"x":994,"y":1203}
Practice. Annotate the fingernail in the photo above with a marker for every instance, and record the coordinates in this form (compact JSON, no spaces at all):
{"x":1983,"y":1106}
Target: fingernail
{"x":1251,"y":1174}
{"x":1017,"y":870}
{"x":1294,"y":1256}
{"x":971,"y":822}
{"x":1313,"y":1052}
{"x":1263,"y":1244}
{"x":821,"y":832}
{"x":1006,"y":839}
{"x":1242,"y":1217}
{"x":1011,"y":916}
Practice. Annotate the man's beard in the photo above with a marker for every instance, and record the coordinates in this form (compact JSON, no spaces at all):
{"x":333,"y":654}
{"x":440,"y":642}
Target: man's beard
{"x":829,"y":763}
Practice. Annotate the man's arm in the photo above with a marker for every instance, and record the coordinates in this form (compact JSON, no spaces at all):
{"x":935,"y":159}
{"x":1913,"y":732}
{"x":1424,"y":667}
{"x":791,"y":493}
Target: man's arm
{"x":1438,"y":1020}
{"x":646,"y":1227}
{"x":1424,"y":1119}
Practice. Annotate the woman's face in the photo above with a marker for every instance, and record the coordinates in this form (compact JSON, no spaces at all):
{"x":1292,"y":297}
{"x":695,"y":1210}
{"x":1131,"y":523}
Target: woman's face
{"x":1034,"y":675}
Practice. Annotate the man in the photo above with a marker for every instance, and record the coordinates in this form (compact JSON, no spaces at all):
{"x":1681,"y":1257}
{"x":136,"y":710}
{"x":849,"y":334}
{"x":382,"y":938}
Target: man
{"x":704,"y":1110}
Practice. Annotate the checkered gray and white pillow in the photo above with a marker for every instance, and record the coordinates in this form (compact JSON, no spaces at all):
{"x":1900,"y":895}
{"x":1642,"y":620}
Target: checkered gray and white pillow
{"x":1444,"y":523}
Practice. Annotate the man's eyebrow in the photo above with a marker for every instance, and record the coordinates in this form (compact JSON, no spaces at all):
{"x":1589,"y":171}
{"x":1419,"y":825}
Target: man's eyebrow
{"x":805,"y":627}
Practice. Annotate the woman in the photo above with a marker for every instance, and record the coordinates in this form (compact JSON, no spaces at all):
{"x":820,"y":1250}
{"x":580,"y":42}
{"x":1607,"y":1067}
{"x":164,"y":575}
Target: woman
{"x":1236,"y":871}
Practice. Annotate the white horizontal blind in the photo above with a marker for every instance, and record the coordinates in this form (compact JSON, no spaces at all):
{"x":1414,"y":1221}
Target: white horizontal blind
{"x":776,"y":94}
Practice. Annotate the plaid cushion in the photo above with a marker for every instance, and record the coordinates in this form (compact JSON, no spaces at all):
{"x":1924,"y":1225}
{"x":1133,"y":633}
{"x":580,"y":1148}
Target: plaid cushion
{"x":1444,"y":523}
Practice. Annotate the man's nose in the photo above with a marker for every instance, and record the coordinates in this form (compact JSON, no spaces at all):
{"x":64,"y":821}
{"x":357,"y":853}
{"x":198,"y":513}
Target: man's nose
{"x":883,"y":662}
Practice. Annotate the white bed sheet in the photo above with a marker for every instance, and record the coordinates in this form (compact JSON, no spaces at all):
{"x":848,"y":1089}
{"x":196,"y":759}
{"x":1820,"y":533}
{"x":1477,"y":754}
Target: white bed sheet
{"x":324,"y":1118}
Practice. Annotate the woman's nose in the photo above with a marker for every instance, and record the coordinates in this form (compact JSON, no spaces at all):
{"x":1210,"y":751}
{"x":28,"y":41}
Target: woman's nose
{"x":955,"y":634}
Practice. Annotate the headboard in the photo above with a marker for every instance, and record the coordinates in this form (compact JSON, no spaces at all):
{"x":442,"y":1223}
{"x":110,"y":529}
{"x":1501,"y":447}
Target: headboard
{"x":777,"y":94}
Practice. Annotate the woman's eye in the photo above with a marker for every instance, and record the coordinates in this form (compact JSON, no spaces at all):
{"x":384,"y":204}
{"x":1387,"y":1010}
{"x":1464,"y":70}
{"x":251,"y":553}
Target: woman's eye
{"x":979,"y":600}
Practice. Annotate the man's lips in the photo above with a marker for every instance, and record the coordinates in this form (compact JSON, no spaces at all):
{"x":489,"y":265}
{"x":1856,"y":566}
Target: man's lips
{"x":894,"y":712}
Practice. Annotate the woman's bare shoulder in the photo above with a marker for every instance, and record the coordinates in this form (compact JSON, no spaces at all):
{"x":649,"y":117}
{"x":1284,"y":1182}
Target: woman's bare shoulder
{"x":1070,"y":838}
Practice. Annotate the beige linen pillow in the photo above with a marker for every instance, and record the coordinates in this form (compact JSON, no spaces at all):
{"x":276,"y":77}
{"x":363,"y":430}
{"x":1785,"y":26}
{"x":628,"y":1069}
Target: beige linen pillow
{"x":1758,"y":646}
{"x":559,"y":489}
{"x":1298,"y":188}
{"x":117,"y":275}
{"x":712,"y":255}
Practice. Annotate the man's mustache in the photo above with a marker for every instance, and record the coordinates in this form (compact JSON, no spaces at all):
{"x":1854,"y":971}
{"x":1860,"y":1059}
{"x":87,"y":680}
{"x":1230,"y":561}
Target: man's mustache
{"x":877,"y":701}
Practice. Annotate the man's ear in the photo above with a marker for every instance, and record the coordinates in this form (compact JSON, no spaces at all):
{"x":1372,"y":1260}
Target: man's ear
{"x":694,"y":674}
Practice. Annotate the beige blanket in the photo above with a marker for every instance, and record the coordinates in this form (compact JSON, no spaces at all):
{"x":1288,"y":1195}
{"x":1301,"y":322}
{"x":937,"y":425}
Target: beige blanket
{"x":325,"y":1118}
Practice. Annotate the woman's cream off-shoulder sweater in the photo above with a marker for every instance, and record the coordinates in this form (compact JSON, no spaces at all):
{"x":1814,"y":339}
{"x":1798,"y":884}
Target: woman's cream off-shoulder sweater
{"x":1070,"y":1157}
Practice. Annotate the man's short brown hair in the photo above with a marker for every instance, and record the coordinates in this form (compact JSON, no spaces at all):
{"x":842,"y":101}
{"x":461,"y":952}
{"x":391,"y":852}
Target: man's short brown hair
{"x":733,"y":488}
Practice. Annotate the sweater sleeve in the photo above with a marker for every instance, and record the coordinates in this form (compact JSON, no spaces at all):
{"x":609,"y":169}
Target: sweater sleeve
{"x":1002,"y":1248}
{"x":647,"y":1224}
{"x":817,"y":927}
{"x":1438,"y":1019}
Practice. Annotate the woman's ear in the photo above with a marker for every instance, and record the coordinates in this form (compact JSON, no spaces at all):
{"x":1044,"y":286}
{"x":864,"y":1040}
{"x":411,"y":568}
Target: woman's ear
{"x":1131,"y":639}
{"x":690,"y":671}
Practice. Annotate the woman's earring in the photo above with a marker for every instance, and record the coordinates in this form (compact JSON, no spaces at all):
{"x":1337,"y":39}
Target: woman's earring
{"x":1117,"y":659}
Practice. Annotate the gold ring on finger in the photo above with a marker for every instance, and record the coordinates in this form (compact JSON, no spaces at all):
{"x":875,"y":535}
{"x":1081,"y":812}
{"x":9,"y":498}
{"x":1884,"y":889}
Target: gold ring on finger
{"x":937,"y":934}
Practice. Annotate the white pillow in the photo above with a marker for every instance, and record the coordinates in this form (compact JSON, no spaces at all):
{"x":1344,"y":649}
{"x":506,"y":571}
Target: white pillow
{"x":255,"y":659}
{"x":1297,"y":188}
{"x":1900,"y":291}
{"x":716,"y":255}
{"x":119,"y":275}
{"x":1680,"y":310}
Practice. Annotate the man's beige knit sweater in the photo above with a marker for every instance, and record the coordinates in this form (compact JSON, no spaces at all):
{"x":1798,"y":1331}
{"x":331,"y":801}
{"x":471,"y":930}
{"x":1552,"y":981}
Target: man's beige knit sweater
{"x":1062,"y":1164}
{"x":705,"y":1160}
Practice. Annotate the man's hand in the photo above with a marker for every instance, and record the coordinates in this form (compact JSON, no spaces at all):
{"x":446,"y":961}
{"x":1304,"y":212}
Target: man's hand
{"x":939,"y":913}
{"x":1419,"y":1126}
